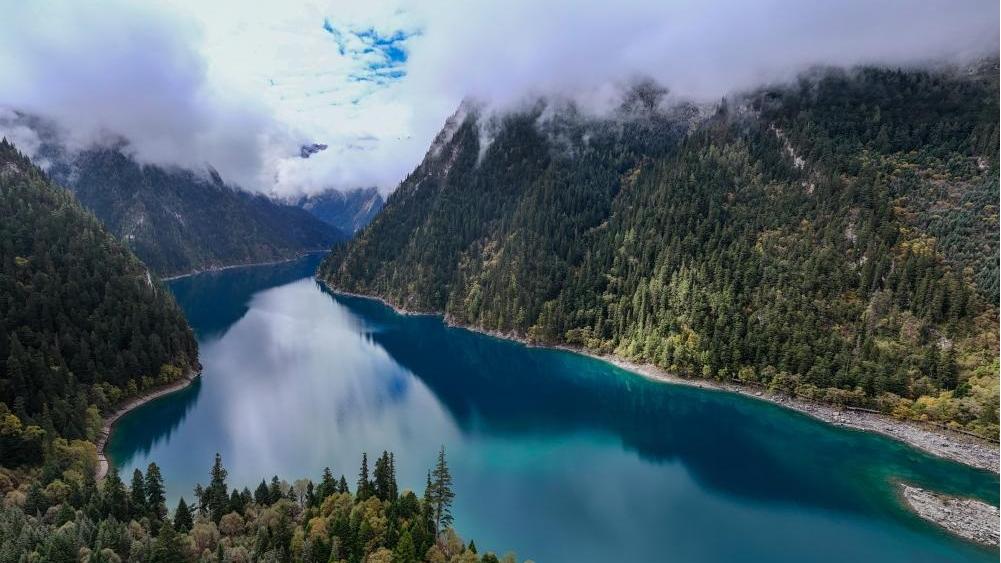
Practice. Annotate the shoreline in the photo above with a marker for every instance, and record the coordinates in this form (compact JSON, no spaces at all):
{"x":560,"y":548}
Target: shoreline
{"x":247,"y":265}
{"x":109,"y":422}
{"x":975,"y":452}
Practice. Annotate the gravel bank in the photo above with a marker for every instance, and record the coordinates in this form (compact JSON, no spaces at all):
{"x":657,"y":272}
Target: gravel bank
{"x":967,"y":518}
{"x":958,"y":447}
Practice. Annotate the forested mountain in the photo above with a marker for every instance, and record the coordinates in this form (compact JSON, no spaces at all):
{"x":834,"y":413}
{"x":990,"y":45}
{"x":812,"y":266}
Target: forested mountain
{"x":349,"y":211}
{"x":83,"y":323}
{"x":178,"y":221}
{"x":835,"y":237}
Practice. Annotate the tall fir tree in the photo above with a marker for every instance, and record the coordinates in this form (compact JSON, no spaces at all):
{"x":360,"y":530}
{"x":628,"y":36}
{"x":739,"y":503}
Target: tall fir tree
{"x":442,"y":493}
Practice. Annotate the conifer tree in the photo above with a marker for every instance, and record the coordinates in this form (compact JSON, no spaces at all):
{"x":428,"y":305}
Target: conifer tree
{"x":364,"y":486}
{"x":137,"y":495}
{"x":155,"y":493}
{"x":114,"y":497}
{"x":441,"y":493}
{"x":217,"y":493}
{"x":328,"y":485}
{"x":405,"y":551}
{"x":182,"y":517}
{"x":262,"y":496}
{"x":168,"y":547}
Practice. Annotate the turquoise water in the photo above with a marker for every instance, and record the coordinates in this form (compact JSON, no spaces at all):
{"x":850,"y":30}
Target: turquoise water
{"x":555,"y":456}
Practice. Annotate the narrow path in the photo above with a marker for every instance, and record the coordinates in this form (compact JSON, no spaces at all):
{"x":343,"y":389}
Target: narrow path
{"x":109,"y":422}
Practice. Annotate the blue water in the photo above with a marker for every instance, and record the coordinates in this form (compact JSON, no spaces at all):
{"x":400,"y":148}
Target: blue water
{"x":556,"y":456}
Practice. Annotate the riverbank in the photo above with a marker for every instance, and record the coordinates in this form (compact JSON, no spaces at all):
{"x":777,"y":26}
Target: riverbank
{"x":970,"y":519}
{"x":247,"y":265}
{"x":109,"y":422}
{"x":968,"y":450}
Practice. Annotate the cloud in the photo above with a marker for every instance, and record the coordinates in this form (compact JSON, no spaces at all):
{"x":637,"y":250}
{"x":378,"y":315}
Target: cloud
{"x":700,"y":49}
{"x":132,"y":72}
{"x":242,"y":85}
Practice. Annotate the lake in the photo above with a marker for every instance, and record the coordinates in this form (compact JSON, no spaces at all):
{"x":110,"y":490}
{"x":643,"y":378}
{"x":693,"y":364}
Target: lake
{"x":555,"y":456}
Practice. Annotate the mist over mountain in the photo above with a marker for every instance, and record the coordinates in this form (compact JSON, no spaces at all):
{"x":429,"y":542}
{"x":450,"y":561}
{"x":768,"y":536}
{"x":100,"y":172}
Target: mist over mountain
{"x":232,"y":87}
{"x":835,"y":237}
{"x":178,"y":221}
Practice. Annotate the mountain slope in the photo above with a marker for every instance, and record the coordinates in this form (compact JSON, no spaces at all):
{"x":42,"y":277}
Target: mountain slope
{"x":178,"y":222}
{"x":835,"y":238}
{"x":83,"y":324}
{"x":348,"y":211}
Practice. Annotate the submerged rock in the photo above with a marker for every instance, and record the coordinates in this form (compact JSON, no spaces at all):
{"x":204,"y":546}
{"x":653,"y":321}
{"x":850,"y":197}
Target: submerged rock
{"x":968,"y":518}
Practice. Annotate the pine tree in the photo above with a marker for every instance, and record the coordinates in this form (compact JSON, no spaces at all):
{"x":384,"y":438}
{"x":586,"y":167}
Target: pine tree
{"x":182,"y":517}
{"x":115,"y":500}
{"x":235,"y":502}
{"x":311,"y":499}
{"x":201,"y":498}
{"x":274,"y":490}
{"x":405,"y":551}
{"x":441,"y":494}
{"x":217,"y":495}
{"x":327,"y":485}
{"x":363,"y":487}
{"x":261,"y":496}
{"x":168,"y":547}
{"x":137,"y":495}
{"x":385,"y":477}
{"x":155,"y":493}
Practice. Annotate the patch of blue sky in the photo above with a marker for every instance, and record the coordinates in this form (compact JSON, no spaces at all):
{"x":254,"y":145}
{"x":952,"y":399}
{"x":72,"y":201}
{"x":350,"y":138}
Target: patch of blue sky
{"x":381,"y":58}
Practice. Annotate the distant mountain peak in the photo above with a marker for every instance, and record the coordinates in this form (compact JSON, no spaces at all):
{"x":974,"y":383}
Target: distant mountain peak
{"x":308,"y":150}
{"x":349,"y":211}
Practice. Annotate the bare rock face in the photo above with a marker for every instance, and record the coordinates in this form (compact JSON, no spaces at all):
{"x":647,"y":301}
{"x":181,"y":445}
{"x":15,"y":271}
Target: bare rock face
{"x":968,"y":518}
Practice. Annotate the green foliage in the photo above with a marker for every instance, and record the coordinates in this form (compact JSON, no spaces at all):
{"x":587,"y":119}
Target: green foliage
{"x":337,"y":527}
{"x":83,"y":324}
{"x":216,"y":496}
{"x":183,"y":520}
{"x":441,"y":493}
{"x":836,"y":238}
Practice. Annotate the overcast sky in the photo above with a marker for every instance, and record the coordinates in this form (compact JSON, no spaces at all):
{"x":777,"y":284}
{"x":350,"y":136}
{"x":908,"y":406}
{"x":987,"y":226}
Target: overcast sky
{"x":241,"y":85}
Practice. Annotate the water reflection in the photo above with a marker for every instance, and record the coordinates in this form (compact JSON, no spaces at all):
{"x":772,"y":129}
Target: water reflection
{"x":213,"y":301}
{"x":493,"y":386}
{"x":555,"y":455}
{"x":293,"y":385}
{"x":160,"y":420}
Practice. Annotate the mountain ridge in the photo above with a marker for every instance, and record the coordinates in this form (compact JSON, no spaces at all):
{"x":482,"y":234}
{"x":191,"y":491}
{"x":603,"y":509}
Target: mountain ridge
{"x":803,"y":237}
{"x":177,"y":220}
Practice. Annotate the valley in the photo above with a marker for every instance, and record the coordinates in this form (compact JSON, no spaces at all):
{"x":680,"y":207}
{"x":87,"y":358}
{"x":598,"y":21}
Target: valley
{"x":499,"y":282}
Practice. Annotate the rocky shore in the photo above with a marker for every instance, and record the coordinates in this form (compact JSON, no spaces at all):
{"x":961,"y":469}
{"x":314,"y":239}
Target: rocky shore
{"x":970,"y":519}
{"x":962,"y":448}
{"x":109,"y":422}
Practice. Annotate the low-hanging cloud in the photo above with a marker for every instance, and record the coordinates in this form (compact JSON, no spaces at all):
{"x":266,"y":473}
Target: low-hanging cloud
{"x":699,"y":49}
{"x":130,"y":72}
{"x":240,"y":86}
